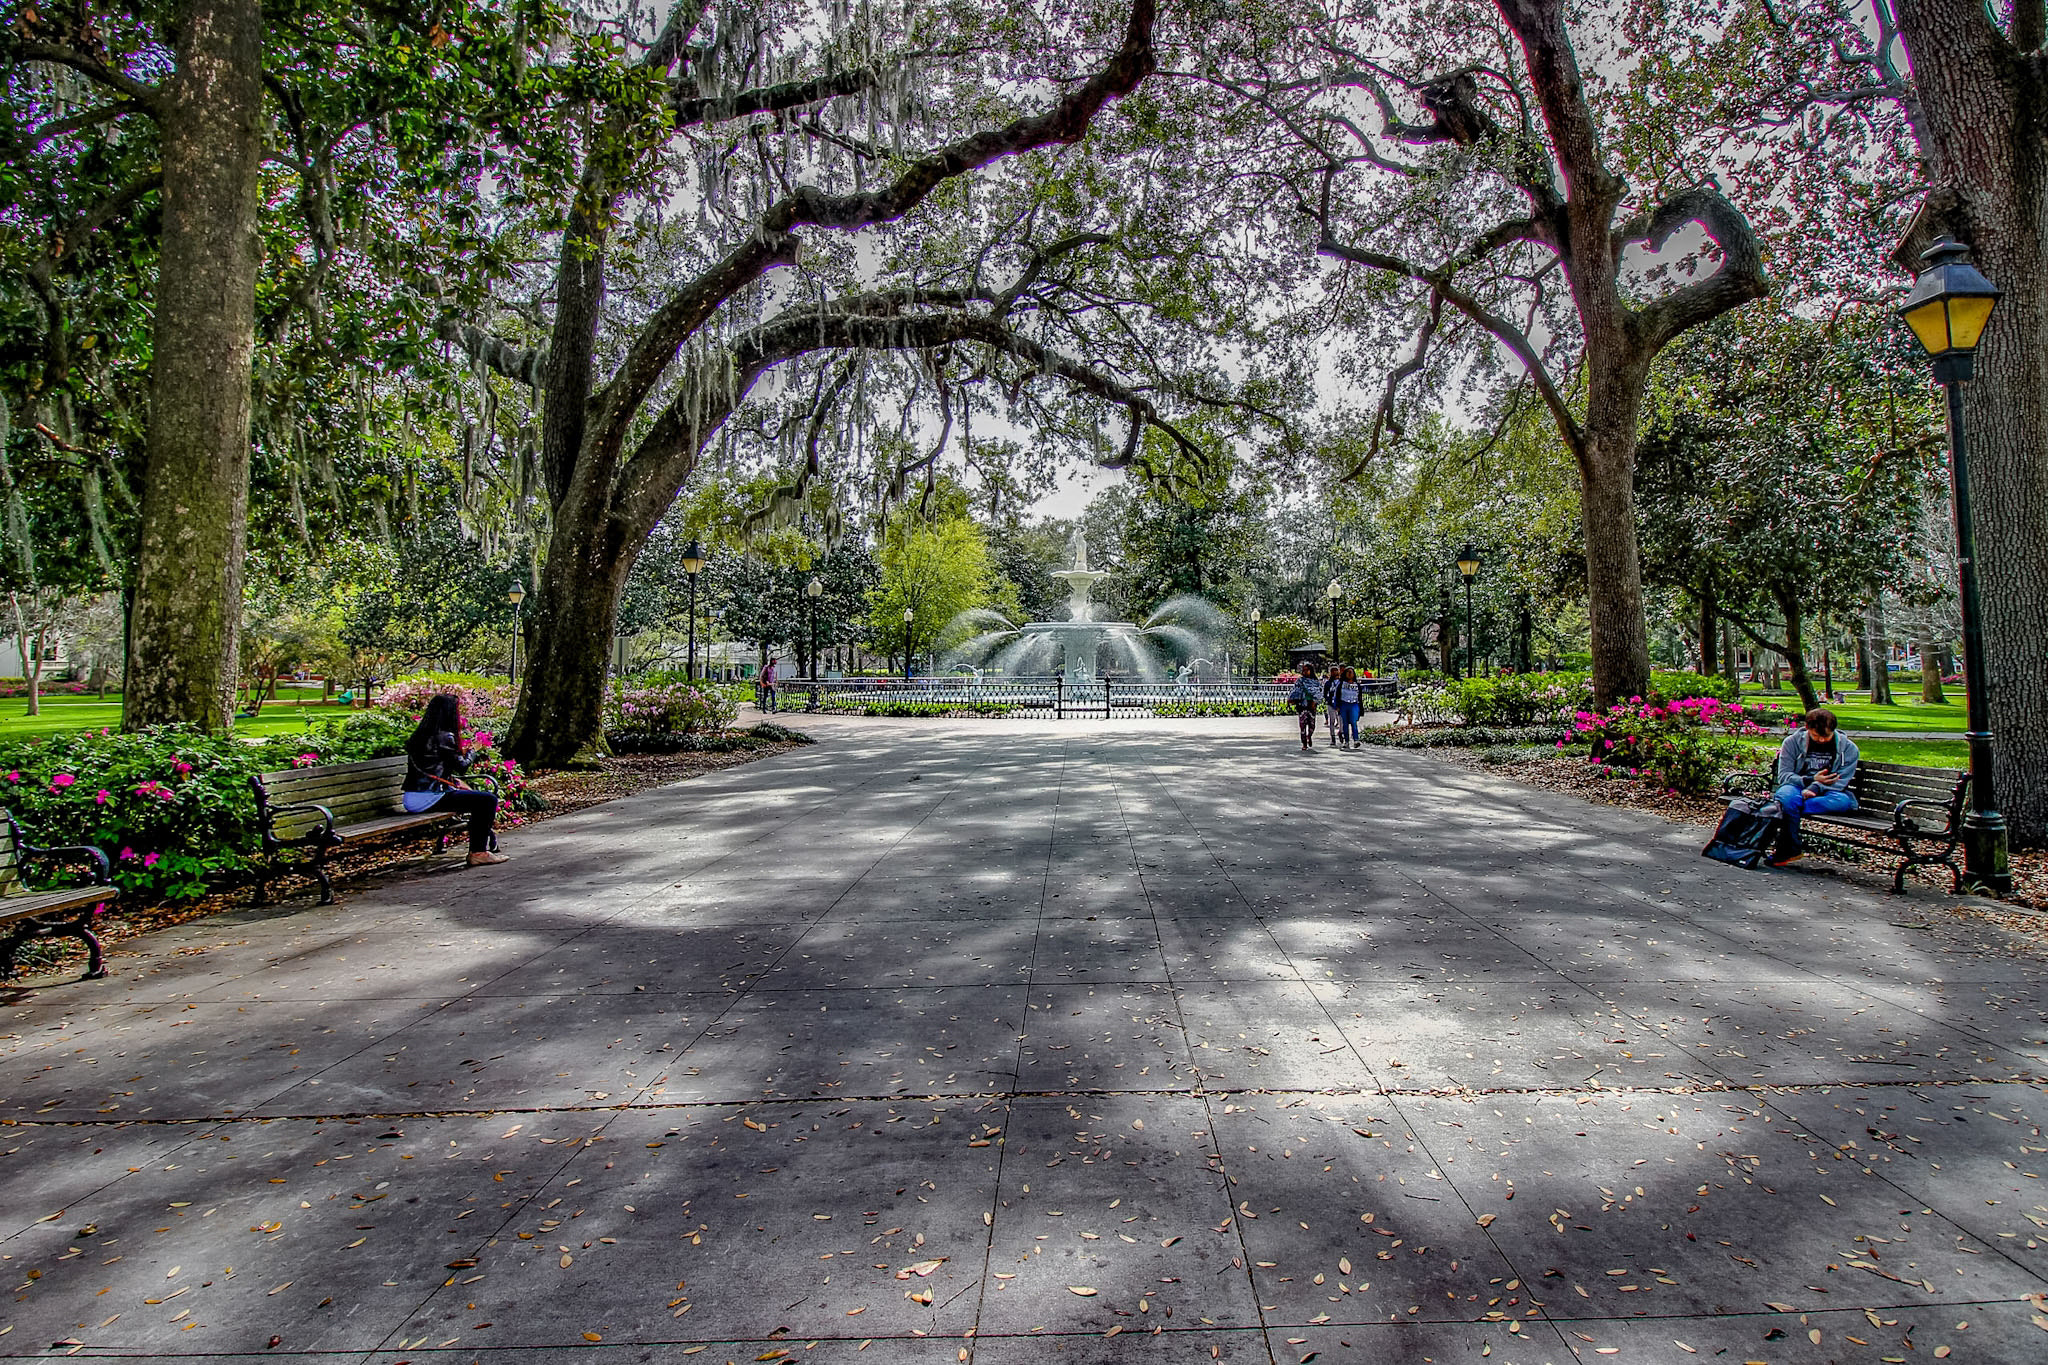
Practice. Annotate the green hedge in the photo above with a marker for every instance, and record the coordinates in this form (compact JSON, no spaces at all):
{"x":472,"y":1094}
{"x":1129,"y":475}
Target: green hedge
{"x":1468,"y":736}
{"x":1183,"y":709}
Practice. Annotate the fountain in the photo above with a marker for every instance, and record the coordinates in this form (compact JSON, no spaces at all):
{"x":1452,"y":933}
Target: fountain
{"x":1077,"y":641}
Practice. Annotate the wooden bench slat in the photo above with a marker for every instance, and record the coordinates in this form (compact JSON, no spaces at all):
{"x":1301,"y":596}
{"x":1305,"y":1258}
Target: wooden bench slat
{"x":334,"y":769}
{"x":29,"y":904}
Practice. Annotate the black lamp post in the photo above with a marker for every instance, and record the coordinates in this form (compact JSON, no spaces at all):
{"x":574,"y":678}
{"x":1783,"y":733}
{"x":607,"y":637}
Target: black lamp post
{"x":1947,"y":310}
{"x":1257,"y":616}
{"x":515,"y":595}
{"x":1335,"y":592}
{"x":1468,"y":569}
{"x":909,"y":641}
{"x":813,"y":590}
{"x":693,"y":563}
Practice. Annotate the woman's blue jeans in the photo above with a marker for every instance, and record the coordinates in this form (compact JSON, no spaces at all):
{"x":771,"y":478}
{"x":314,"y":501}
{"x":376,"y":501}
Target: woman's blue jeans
{"x":1793,"y":800}
{"x":1351,"y":710}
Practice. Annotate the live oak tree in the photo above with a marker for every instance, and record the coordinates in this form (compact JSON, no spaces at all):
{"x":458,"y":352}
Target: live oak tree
{"x":740,"y":126}
{"x":171,"y":115}
{"x":1481,"y":184}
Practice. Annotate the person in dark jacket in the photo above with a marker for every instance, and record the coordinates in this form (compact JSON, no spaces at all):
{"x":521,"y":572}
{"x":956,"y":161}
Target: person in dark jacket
{"x":1303,"y":697}
{"x":433,"y":777}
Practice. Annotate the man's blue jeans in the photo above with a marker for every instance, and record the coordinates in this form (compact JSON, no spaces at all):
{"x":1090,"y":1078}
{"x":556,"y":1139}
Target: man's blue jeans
{"x":1793,"y":799}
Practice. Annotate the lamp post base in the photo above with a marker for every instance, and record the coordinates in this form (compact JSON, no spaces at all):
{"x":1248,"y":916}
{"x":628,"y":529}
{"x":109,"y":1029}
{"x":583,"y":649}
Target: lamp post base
{"x":1987,"y":865}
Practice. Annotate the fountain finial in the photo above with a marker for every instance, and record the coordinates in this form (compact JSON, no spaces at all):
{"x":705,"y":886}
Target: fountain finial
{"x":1077,"y":548}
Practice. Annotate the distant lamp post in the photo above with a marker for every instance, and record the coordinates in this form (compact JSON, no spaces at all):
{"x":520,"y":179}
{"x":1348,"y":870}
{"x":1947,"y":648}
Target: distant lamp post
{"x":909,"y":641}
{"x":693,"y":564}
{"x":1335,"y":592}
{"x":1947,"y":310}
{"x":515,"y":595}
{"x":1257,"y":616}
{"x":813,"y":590}
{"x":1468,"y":569}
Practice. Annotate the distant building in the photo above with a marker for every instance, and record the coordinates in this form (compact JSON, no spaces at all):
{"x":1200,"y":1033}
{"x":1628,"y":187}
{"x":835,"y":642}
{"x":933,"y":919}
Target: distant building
{"x":55,"y":666}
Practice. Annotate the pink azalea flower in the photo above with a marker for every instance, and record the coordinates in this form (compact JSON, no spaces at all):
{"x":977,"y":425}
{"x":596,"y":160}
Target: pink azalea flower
{"x":103,"y":797}
{"x":127,"y":855}
{"x":150,"y":860}
{"x":183,"y":767}
{"x":61,"y":781}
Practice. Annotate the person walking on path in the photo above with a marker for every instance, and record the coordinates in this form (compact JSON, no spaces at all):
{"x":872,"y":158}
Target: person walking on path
{"x":768,"y":684}
{"x":1350,"y":703}
{"x":1332,"y":680}
{"x":1816,"y":765}
{"x":433,"y":776}
{"x":1303,"y":699}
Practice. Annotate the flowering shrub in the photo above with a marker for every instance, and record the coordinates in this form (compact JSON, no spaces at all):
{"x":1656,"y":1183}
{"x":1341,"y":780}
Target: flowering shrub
{"x":172,"y":808}
{"x":1683,"y":746}
{"x":671,"y":709}
{"x":1531,"y":698}
{"x":481,"y":706}
{"x":48,"y":687}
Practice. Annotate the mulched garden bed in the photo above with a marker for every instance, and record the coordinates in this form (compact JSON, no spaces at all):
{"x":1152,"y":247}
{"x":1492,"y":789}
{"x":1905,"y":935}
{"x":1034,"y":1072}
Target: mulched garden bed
{"x":1576,"y":777}
{"x":623,"y":775}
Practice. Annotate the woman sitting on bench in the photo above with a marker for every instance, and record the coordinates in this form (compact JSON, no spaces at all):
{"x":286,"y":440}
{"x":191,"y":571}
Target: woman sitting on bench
{"x":1815,"y":769}
{"x":433,"y":777}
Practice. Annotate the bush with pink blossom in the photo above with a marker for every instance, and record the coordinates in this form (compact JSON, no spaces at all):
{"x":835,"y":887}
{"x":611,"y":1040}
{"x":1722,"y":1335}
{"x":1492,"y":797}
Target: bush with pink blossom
{"x":1684,"y":746}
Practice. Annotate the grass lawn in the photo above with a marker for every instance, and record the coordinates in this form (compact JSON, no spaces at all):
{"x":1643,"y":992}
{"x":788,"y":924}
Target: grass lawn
{"x":1921,"y":753}
{"x":65,"y":714}
{"x":1909,"y":714}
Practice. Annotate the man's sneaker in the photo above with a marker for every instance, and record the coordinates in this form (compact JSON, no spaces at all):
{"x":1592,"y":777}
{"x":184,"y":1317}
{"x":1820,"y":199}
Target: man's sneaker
{"x":1787,"y":859}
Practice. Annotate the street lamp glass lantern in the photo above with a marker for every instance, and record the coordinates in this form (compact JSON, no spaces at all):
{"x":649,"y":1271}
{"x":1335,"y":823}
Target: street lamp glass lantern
{"x":693,"y":557}
{"x":1951,"y":302}
{"x":1468,"y":563}
{"x":1334,"y":591}
{"x":814,"y":589}
{"x":1257,"y":616}
{"x":516,"y":593}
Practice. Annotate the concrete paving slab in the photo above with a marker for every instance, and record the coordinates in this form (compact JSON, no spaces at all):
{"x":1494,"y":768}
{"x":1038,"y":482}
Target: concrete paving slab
{"x":1084,"y":1006}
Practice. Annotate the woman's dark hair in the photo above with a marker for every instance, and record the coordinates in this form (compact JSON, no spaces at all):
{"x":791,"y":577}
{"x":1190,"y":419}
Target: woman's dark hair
{"x":442,"y":716}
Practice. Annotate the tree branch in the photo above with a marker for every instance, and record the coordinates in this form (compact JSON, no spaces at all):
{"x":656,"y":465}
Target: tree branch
{"x":528,"y":367}
{"x":771,"y":99}
{"x":1740,"y":278}
{"x":148,"y":98}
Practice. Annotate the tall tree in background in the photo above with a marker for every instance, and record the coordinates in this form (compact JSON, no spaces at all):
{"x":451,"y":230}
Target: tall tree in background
{"x":1495,"y":202}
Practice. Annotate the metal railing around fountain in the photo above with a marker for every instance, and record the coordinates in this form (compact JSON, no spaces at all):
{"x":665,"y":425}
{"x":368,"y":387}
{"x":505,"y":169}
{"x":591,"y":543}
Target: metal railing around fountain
{"x":1050,"y":696}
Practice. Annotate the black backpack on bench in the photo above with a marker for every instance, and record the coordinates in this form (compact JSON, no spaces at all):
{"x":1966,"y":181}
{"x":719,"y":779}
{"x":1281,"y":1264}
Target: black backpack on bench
{"x":1748,"y":829}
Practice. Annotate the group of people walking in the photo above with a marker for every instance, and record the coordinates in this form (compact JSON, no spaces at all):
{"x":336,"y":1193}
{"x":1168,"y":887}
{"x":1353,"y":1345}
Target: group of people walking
{"x":1340,"y":697}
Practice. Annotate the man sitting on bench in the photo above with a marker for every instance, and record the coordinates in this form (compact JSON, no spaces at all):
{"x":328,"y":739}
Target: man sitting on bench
{"x":1816,"y":764}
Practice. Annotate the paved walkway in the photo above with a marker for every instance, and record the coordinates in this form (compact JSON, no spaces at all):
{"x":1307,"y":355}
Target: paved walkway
{"x":1014,"y":1042}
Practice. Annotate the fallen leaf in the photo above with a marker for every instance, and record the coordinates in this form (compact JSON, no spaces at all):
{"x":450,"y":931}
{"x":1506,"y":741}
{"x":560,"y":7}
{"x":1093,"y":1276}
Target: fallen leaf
{"x":592,"y":1336}
{"x":280,"y":1289}
{"x":921,"y":1269}
{"x":1486,"y":1219}
{"x":1780,"y":1307}
{"x":1083,"y":1290}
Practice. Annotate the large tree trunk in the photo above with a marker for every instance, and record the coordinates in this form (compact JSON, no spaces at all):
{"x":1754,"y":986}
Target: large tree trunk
{"x":1795,"y":652}
{"x":1930,"y":662}
{"x":1614,"y":565}
{"x":560,"y":716}
{"x":183,"y":664}
{"x":1708,"y":622}
{"x":1980,"y":101}
{"x":1878,"y":650}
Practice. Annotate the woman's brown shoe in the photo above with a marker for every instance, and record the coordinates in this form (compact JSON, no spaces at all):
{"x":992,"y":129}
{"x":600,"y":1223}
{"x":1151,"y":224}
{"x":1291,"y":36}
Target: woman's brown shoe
{"x":486,"y":859}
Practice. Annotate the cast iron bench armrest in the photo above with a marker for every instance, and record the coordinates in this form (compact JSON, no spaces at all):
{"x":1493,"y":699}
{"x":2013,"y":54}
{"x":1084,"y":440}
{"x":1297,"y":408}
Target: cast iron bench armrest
{"x":73,"y":854}
{"x":1905,"y":824}
{"x":327,"y":816}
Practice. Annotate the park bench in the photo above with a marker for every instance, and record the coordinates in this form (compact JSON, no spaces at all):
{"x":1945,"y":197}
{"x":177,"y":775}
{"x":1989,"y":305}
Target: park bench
{"x":26,"y":914}
{"x":316,"y":810}
{"x":1916,"y":809}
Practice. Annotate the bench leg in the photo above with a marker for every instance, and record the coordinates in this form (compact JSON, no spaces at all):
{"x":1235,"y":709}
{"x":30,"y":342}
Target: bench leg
{"x":7,"y":947}
{"x":95,"y":954}
{"x":320,"y":871}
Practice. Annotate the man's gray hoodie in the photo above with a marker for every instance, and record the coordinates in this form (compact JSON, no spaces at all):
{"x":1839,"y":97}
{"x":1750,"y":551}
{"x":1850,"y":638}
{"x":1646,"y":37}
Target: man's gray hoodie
{"x":1796,"y":762}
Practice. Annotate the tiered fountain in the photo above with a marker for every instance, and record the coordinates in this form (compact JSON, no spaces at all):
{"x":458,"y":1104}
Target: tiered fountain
{"x":1077,"y":641}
